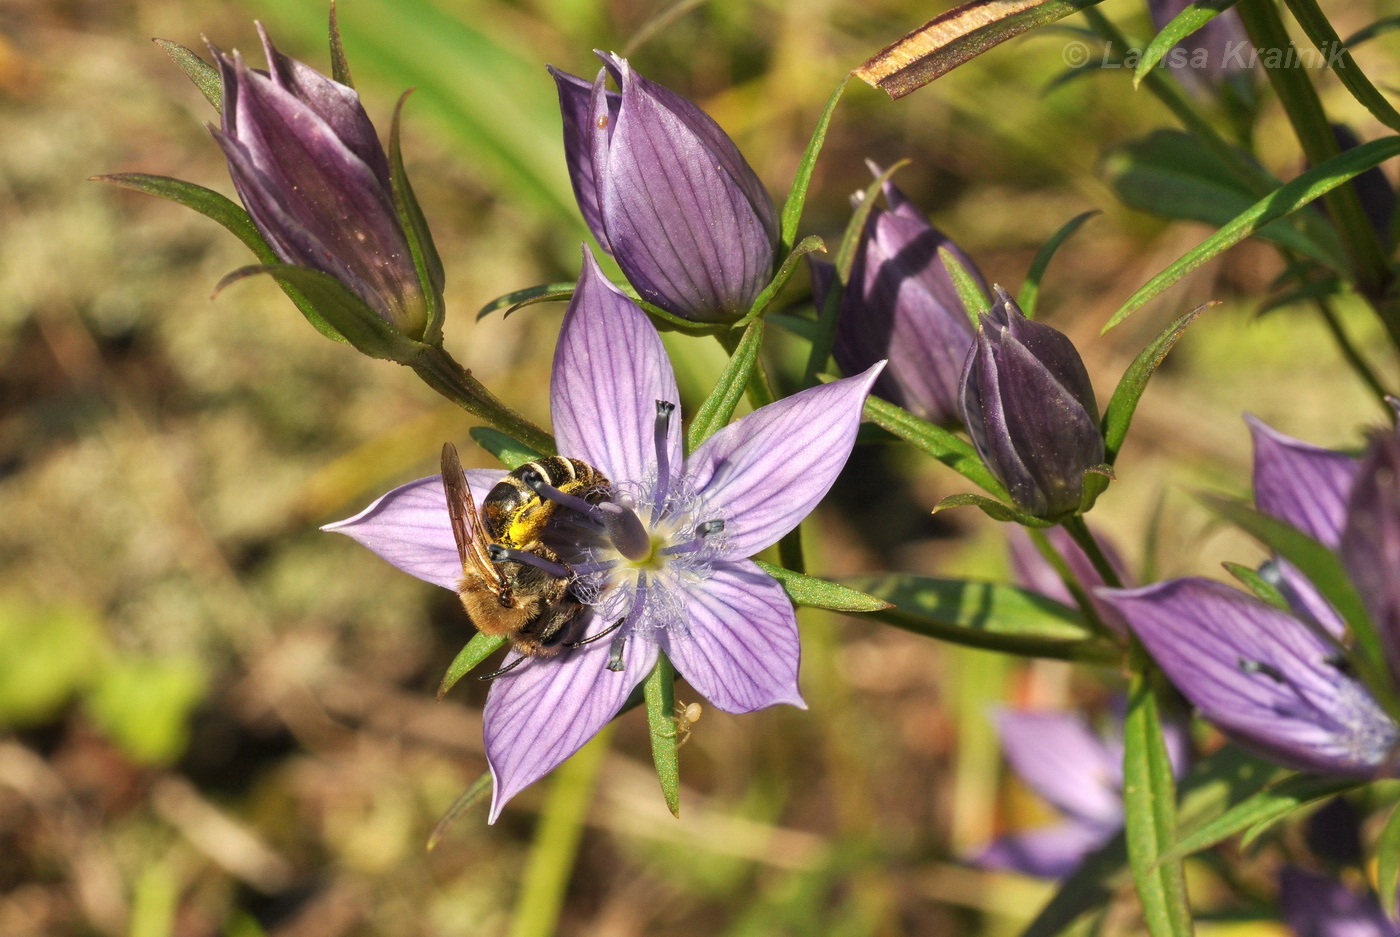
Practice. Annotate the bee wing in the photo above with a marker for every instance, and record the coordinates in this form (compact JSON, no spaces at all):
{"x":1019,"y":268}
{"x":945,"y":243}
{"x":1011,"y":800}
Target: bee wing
{"x":466,"y":523}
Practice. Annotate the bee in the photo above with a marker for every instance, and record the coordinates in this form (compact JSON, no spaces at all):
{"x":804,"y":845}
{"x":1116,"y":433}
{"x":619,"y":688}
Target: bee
{"x":514,"y":581}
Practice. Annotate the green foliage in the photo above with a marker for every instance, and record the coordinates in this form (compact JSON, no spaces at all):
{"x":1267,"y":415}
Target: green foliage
{"x":480,"y":647}
{"x":660,"y":693}
{"x":1255,"y":813}
{"x":144,"y":704}
{"x":1195,"y":16}
{"x":1118,"y":415}
{"x":47,"y":654}
{"x":1029,"y":295}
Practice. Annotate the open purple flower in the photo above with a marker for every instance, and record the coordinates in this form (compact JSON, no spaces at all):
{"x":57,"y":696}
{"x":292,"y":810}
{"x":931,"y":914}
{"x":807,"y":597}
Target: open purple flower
{"x":1060,"y":758}
{"x":310,"y":169}
{"x":1316,"y":905}
{"x":901,"y":305}
{"x":683,"y":585}
{"x":667,"y":193}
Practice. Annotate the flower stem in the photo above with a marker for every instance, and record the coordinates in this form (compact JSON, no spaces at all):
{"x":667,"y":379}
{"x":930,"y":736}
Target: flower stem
{"x":1071,"y":581}
{"x":1353,"y":356}
{"x":552,"y":854}
{"x":442,"y":373}
{"x":1077,"y":529}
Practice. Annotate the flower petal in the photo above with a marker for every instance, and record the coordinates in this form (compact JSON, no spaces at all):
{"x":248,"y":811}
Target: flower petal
{"x":411,"y":529}
{"x":543,"y":711}
{"x":1048,"y":852}
{"x":1320,"y":906}
{"x":1259,"y":674}
{"x":576,"y":107}
{"x":766,"y":472}
{"x":1370,"y":543}
{"x":741,"y":650}
{"x":1032,"y":571}
{"x":610,"y":369}
{"x":1301,"y":484}
{"x":1063,"y":761}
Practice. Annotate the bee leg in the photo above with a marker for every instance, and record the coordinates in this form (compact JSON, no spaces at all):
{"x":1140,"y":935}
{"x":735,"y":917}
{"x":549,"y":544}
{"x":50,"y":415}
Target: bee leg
{"x":504,"y":670}
{"x":599,"y":636}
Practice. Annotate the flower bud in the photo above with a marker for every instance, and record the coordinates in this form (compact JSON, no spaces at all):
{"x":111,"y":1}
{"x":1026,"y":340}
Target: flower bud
{"x":1029,"y":408}
{"x":901,"y":305}
{"x":314,"y":178}
{"x":667,"y":193}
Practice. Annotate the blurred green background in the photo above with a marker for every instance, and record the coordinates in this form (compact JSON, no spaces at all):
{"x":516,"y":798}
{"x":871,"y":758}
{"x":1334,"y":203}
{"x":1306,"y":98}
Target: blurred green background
{"x":215,"y":719}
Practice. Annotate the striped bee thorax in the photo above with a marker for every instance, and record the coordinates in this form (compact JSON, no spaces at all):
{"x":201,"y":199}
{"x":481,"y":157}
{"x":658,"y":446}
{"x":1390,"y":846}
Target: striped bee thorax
{"x":513,"y":515}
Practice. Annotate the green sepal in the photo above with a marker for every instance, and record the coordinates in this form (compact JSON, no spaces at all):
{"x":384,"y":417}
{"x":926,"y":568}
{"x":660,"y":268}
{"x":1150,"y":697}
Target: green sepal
{"x":1185,"y":23}
{"x":1295,"y":194}
{"x":1263,"y":590}
{"x":339,"y":307}
{"x":812,"y":592}
{"x":810,"y":244}
{"x":480,"y":647}
{"x":205,"y":76}
{"x":340,"y":68}
{"x":986,"y":615}
{"x":718,"y":408}
{"x":932,"y":439}
{"x":516,"y":299}
{"x":509,"y":451}
{"x":426,"y":261}
{"x":975,"y":302}
{"x":228,"y":213}
{"x":1388,"y":862}
{"x":1095,"y":483}
{"x":1118,"y":416}
{"x":797,"y":195}
{"x":1029,"y":293}
{"x":994,"y":509}
{"x":469,"y":798}
{"x":659,"y":691}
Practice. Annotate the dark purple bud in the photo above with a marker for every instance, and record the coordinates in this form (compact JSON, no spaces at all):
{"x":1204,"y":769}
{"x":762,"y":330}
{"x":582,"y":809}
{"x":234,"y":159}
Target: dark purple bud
{"x":901,"y":305}
{"x":1029,"y":408}
{"x":667,"y":193}
{"x":1204,"y":59}
{"x":1371,"y":539}
{"x":315,"y":180}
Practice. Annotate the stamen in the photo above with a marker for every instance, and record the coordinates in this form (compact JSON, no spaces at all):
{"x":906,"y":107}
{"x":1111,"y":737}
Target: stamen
{"x":709,"y":527}
{"x":619,"y":644}
{"x":1268,"y":670}
{"x":623,"y":527}
{"x":500,"y":554}
{"x":588,"y":569}
{"x":664,"y":409}
{"x":545,"y":490}
{"x":690,"y":546}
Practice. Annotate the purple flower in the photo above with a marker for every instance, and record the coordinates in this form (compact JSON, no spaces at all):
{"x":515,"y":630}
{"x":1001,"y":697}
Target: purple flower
{"x":1033,"y":571}
{"x":1211,"y":54}
{"x":1078,"y":773}
{"x":1029,"y":407}
{"x":314,"y":178}
{"x":1277,"y":680}
{"x":1316,"y":905}
{"x":901,"y":305}
{"x":667,"y":193}
{"x":685,"y":587}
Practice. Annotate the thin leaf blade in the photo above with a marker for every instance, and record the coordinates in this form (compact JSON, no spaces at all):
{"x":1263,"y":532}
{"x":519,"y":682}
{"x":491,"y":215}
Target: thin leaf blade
{"x":1182,"y":25}
{"x":1267,"y":806}
{"x":797,"y":195}
{"x":944,"y":445}
{"x":480,"y":647}
{"x":1118,"y":415}
{"x":659,"y":691}
{"x":1029,"y":293}
{"x":509,"y":451}
{"x":813,"y":592}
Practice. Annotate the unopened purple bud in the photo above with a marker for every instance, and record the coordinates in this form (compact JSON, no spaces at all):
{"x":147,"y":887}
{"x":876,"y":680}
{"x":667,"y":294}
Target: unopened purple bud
{"x":668,"y":194}
{"x":311,"y":172}
{"x":901,"y":305}
{"x":1370,"y":545}
{"x":1029,"y":408}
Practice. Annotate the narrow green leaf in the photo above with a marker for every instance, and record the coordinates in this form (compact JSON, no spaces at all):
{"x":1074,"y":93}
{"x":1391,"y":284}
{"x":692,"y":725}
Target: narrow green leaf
{"x":855,"y":228}
{"x":205,"y":76}
{"x":415,"y":226}
{"x":800,"y":326}
{"x":945,"y":446}
{"x":480,"y":647}
{"x":1030,"y":287}
{"x":1267,"y":806}
{"x":810,"y":244}
{"x":994,"y":509}
{"x":1388,"y":863}
{"x":714,"y":414}
{"x":975,"y":301}
{"x":510,"y":452}
{"x":475,"y":793}
{"x":985,"y":615}
{"x":340,"y":68}
{"x":1076,"y":72}
{"x":1263,"y":590}
{"x":1317,"y":289}
{"x":544,"y":293}
{"x":1182,"y":25}
{"x":1292,"y":196}
{"x":660,"y":693}
{"x":1329,"y":44}
{"x":1380,"y":27}
{"x":797,"y":195}
{"x":1118,"y":416}
{"x":811,"y":592}
{"x":1149,"y":804}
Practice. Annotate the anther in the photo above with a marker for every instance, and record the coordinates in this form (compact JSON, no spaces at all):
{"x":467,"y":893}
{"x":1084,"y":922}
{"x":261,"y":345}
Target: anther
{"x":500,"y":554}
{"x":709,"y":527}
{"x":1340,"y":663}
{"x":619,"y":643}
{"x":664,"y":409}
{"x":1268,"y":670}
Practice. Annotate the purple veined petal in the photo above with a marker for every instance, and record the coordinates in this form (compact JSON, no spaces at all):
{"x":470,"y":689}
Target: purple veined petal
{"x":680,"y":227}
{"x":984,"y":415}
{"x":1065,"y":762}
{"x":411,"y":529}
{"x":740,"y":650}
{"x":1032,"y":571}
{"x":610,"y":369}
{"x":543,"y":711}
{"x":1316,"y":905}
{"x":1261,"y":675}
{"x":902,"y":207}
{"x":1050,"y":347}
{"x":1370,"y":542}
{"x":336,"y":104}
{"x":1046,"y":852}
{"x":576,"y":106}
{"x":1302,"y":596}
{"x":763,"y":474}
{"x":1301,"y":484}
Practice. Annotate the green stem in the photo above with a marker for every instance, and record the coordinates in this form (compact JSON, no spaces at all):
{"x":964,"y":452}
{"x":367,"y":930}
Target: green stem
{"x":1353,"y":356}
{"x":442,"y":373}
{"x":1071,"y":581}
{"x":1304,"y":109}
{"x":560,"y":827}
{"x":760,"y":391}
{"x":1079,"y":530}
